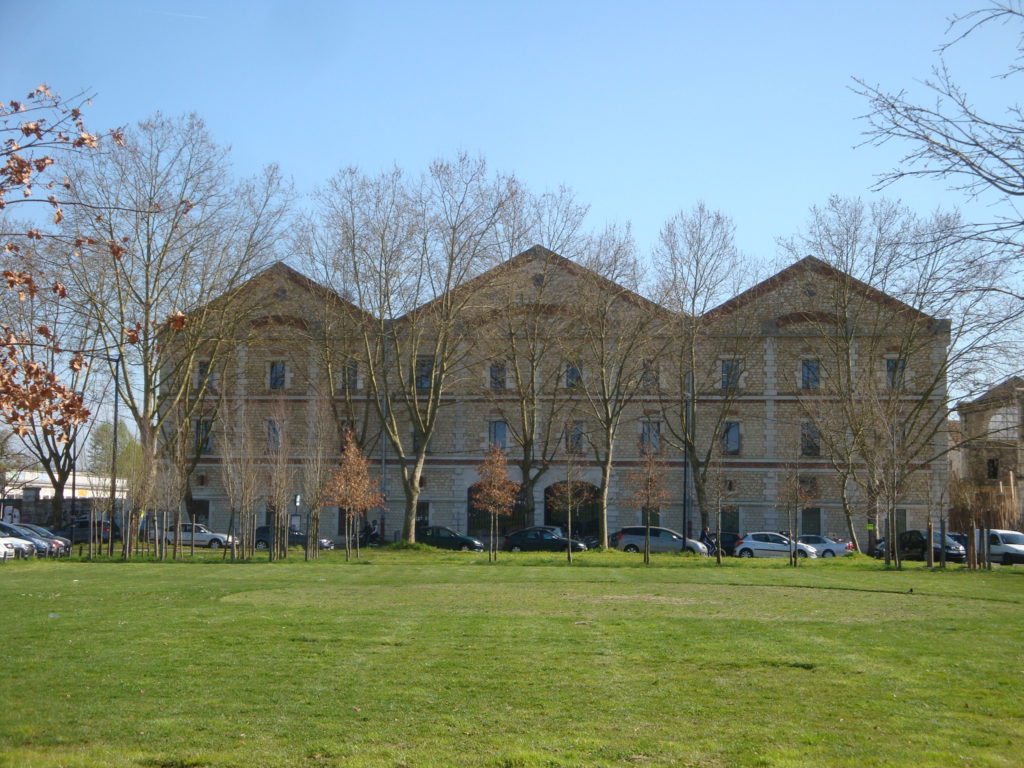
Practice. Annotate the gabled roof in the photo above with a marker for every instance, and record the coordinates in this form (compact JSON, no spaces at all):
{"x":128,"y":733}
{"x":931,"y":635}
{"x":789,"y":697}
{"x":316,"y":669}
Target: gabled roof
{"x":280,"y":270}
{"x":539,"y":254}
{"x":1002,"y":391}
{"x":812,"y":265}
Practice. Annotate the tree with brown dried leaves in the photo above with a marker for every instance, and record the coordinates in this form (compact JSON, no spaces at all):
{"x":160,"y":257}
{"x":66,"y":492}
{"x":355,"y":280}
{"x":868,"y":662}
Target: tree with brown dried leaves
{"x":495,"y":493}
{"x":351,"y":488}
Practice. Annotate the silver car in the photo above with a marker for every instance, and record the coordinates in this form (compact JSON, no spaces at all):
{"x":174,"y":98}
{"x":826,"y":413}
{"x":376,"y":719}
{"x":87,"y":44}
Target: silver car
{"x":631,"y":539}
{"x":768,"y":544}
{"x":204,"y":537}
{"x":827,"y":547}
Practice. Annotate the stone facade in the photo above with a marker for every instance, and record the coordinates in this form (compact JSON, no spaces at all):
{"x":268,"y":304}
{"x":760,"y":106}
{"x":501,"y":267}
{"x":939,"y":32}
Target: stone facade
{"x":281,"y":394}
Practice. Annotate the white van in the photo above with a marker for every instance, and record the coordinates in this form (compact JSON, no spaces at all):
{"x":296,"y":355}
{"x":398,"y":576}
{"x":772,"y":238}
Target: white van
{"x":1006,"y":547}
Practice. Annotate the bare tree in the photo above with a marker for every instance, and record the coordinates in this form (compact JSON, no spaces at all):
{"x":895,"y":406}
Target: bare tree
{"x":699,"y":268}
{"x":322,"y":445}
{"x":892,"y":319}
{"x":177,"y":232}
{"x":240,"y":473}
{"x":610,"y":347}
{"x":648,"y":492}
{"x":407,"y":249}
{"x":949,"y":138}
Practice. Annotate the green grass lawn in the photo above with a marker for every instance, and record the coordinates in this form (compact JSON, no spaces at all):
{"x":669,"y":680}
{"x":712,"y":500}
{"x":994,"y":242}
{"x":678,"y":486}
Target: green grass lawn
{"x":413,"y":658}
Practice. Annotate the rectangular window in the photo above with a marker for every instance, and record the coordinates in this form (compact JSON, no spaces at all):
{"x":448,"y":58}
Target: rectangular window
{"x":273,"y":436}
{"x":204,"y":375}
{"x":574,"y":437}
{"x":497,"y":434}
{"x":573,"y":375}
{"x":204,"y":440}
{"x":810,"y":440}
{"x":278,"y":375}
{"x":649,"y":375}
{"x":992,"y":466}
{"x":496,"y":376}
{"x":732,"y":370}
{"x":895,"y":372}
{"x":731,"y":443}
{"x":650,"y":437}
{"x":417,"y":442}
{"x":350,"y":375}
{"x":810,"y":374}
{"x":424,"y":371}
{"x":810,"y":521}
{"x":901,"y":520}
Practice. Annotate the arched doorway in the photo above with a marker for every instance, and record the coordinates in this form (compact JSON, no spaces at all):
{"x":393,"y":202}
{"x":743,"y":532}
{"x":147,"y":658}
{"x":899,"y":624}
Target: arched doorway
{"x":478,"y":521}
{"x":582,"y":498}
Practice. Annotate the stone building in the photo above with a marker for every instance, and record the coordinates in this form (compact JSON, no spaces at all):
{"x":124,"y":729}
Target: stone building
{"x":795,"y":382}
{"x":992,"y":450}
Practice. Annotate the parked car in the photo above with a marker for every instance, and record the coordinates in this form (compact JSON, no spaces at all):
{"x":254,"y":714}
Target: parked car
{"x":43,"y":547}
{"x":959,"y":538}
{"x":65,"y":544}
{"x":631,"y":539}
{"x":1006,"y":547}
{"x":446,"y":538}
{"x":539,"y":539}
{"x":913,"y":545}
{"x":78,"y":530}
{"x":827,"y":547}
{"x":12,"y":546}
{"x":768,"y":544}
{"x":201,"y":535}
{"x":296,"y":538}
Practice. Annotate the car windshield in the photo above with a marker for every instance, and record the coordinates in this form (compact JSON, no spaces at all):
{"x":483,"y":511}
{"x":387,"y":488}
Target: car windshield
{"x":1013,"y":538}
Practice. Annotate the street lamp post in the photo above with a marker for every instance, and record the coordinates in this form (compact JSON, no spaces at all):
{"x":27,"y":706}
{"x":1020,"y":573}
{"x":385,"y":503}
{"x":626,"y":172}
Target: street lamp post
{"x":116,"y":360}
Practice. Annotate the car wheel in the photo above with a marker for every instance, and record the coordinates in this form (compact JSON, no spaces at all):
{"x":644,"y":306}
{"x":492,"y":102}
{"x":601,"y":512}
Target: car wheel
{"x":516,"y":549}
{"x":631,"y":548}
{"x":1007,"y":560}
{"x":214,"y":543}
{"x":801,"y":553}
{"x":828,"y":553}
{"x":464,"y":547}
{"x":262,"y":545}
{"x":746,"y":553}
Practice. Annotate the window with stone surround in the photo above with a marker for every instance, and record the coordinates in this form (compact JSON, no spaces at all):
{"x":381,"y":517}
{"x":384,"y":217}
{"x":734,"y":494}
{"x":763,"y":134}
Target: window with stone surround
{"x":497,"y":434}
{"x":731,"y":438}
{"x":277,"y":374}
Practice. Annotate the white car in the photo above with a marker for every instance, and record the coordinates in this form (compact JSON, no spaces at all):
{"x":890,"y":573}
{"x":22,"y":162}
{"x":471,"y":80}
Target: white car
{"x":768,"y":544}
{"x":12,"y":547}
{"x":204,"y":537}
{"x":1006,"y":547}
{"x":827,"y":547}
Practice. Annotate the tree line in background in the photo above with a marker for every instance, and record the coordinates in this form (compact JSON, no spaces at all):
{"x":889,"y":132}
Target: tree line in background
{"x":126,"y":283}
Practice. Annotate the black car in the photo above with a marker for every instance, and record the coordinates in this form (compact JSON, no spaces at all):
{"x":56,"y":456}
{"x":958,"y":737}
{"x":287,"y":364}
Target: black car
{"x":446,"y":538}
{"x":913,"y":545}
{"x":540,"y":539}
{"x":78,"y":530}
{"x":296,"y":538}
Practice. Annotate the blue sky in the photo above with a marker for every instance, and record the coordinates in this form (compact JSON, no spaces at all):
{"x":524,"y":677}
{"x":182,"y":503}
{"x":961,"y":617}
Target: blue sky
{"x":642,"y":108}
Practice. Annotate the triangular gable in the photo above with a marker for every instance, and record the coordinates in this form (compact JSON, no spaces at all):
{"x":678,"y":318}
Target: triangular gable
{"x":281,"y":271}
{"x":815,"y":266}
{"x":539,"y":254}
